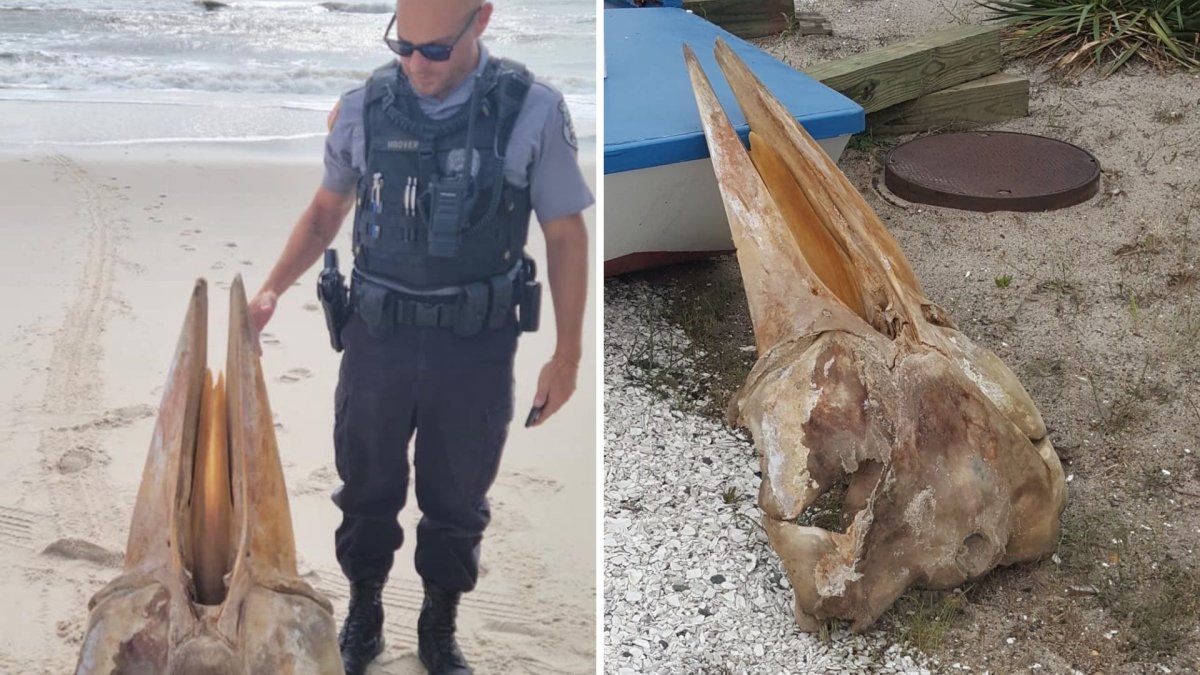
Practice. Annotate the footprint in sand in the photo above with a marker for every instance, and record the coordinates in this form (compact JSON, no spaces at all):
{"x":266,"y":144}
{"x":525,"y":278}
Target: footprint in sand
{"x":230,"y":244}
{"x":311,"y":306}
{"x":295,"y":375}
{"x":218,"y":265}
{"x":529,"y":481}
{"x":247,"y":262}
{"x":187,"y":247}
{"x":69,"y":630}
{"x":79,"y":549}
{"x":511,"y":628}
{"x":270,"y":339}
{"x":74,"y":461}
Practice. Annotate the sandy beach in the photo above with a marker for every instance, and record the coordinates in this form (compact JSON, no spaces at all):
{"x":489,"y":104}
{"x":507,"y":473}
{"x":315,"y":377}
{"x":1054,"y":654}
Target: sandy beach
{"x":103,"y":244}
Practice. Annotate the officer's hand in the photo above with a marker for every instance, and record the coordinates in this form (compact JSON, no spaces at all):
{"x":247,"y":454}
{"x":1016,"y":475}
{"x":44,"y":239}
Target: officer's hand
{"x":555,"y":386}
{"x":260,"y":309}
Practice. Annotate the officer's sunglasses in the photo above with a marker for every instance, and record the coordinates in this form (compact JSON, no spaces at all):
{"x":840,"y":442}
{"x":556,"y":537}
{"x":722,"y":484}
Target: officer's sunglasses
{"x":431,"y":50}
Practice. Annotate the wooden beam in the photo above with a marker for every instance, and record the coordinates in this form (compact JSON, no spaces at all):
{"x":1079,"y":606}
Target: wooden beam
{"x":991,"y":99}
{"x":757,"y":18}
{"x":812,"y":23}
{"x":901,"y":72}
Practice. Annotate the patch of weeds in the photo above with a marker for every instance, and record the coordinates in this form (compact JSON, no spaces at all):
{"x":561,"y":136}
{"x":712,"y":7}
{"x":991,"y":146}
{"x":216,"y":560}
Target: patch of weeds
{"x":923,"y":618}
{"x":1132,"y":308}
{"x":1183,"y":335}
{"x":1131,"y":578}
{"x":1061,"y":283}
{"x":658,"y":361}
{"x":826,"y":511}
{"x":1150,"y":244}
{"x":825,"y":629}
{"x":1166,"y":116}
{"x":729,"y":495}
{"x":1180,"y":280}
{"x":1125,"y":412}
{"x":651,"y":364}
{"x":1053,"y":31}
{"x":1128,"y":406}
{"x":870,"y":144}
{"x":1086,"y":539}
{"x":710,"y":308}
{"x":1160,"y":607}
{"x":1004,"y":281}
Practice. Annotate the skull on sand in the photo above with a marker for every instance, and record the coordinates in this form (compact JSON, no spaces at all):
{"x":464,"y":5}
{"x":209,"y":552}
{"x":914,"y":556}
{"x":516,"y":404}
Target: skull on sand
{"x":210,"y":585}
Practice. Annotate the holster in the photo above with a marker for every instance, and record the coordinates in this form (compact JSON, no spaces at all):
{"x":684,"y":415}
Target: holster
{"x":335,"y":300}
{"x":529,"y":309}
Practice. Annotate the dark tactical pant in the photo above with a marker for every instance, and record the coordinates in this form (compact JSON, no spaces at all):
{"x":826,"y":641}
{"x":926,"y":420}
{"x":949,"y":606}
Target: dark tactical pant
{"x":456,"y":394}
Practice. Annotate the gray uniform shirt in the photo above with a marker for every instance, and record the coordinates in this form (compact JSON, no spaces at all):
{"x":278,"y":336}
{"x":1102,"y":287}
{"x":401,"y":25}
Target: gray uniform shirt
{"x":542,"y":152}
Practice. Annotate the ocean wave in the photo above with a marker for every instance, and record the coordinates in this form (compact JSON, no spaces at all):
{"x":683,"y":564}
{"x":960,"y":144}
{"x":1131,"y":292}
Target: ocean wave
{"x":280,"y":50}
{"x":175,"y":140}
{"x":571,"y":84}
{"x":46,"y":70}
{"x":43,"y":70}
{"x":355,"y":8}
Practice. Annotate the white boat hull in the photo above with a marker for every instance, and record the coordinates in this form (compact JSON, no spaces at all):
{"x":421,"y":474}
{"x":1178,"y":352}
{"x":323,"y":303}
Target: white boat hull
{"x":669,"y":213}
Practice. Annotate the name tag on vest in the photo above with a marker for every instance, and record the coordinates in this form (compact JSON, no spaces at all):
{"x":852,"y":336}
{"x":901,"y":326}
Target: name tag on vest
{"x":406,"y":145}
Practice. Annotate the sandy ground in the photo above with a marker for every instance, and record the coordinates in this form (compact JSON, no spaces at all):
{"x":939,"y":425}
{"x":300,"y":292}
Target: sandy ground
{"x":1100,"y":323}
{"x":102,"y":246}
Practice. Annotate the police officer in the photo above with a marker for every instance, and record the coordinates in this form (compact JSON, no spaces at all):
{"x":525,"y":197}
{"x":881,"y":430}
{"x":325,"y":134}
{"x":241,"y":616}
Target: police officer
{"x":444,"y":153}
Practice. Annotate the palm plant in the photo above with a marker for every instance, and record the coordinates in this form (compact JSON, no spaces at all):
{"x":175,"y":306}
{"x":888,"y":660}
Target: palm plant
{"x":1079,"y":34}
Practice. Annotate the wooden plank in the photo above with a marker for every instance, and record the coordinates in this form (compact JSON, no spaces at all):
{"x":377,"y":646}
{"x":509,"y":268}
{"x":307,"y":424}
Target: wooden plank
{"x":991,"y":99}
{"x":812,"y":23}
{"x":745,"y":18}
{"x":901,"y":72}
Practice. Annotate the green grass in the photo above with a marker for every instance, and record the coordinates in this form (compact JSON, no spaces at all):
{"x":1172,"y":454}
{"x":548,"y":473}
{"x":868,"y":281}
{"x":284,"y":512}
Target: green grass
{"x":1076,"y":35}
{"x":1155,"y":598}
{"x":923,"y":618}
{"x":1004,"y":281}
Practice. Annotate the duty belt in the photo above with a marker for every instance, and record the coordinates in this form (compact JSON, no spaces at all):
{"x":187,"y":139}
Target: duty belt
{"x":467,"y":309}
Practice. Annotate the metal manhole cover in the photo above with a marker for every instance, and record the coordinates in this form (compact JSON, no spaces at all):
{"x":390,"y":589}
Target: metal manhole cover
{"x":992,"y":171}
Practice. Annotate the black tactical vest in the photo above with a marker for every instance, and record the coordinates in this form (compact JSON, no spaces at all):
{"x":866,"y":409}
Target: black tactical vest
{"x":421,"y":219}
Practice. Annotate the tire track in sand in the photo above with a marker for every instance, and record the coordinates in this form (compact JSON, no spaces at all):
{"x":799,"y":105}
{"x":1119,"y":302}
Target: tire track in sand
{"x":81,"y":500}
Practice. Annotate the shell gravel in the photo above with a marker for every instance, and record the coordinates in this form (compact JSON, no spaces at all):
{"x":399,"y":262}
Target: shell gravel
{"x":691,"y":585}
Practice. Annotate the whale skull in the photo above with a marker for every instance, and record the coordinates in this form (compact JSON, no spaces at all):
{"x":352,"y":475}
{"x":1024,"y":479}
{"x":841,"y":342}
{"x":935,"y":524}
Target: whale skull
{"x":209,"y":584}
{"x":863,"y":384}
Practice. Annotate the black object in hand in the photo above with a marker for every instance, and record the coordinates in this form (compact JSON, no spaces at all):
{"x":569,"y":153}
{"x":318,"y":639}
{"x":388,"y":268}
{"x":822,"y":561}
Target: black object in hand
{"x":535,"y":414}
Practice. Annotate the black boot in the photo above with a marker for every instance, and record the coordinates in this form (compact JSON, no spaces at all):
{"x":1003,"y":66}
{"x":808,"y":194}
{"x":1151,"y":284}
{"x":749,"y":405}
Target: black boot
{"x":361,"y":638}
{"x":435,"y":633}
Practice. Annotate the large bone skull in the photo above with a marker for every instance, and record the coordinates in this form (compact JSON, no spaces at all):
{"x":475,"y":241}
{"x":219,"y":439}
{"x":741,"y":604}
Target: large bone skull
{"x":862,"y":382}
{"x":210,"y":585}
